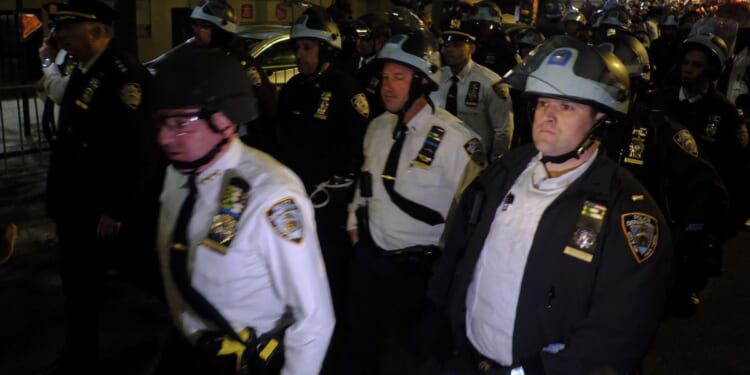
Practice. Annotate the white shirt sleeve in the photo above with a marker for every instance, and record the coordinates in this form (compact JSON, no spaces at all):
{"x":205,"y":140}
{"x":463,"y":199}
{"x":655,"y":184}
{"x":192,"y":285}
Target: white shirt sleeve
{"x":298,"y":274}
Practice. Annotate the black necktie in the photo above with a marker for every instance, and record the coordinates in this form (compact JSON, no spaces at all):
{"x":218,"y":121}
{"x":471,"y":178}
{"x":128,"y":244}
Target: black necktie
{"x":451,"y":100}
{"x":413,"y":209}
{"x":178,"y":255}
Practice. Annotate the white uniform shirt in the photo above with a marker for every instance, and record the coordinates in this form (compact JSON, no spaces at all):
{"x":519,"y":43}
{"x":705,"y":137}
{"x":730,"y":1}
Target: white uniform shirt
{"x":269,"y":268}
{"x":435,"y":187}
{"x":54,"y":81}
{"x":482,"y":103}
{"x":492,"y":297}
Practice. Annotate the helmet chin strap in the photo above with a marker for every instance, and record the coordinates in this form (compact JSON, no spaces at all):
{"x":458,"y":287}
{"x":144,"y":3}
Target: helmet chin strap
{"x":576,"y":153}
{"x":191,"y":166}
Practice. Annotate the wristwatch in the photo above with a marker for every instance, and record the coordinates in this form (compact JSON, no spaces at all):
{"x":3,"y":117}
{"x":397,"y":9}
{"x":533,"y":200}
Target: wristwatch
{"x":46,"y":62}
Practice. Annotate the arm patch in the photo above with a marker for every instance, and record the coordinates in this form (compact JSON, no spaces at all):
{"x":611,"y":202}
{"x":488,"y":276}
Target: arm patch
{"x":286,"y":219}
{"x":361,"y":105}
{"x":475,"y":150}
{"x":642,"y":233}
{"x":687,"y":143}
{"x":502,"y":90}
{"x":131,"y":94}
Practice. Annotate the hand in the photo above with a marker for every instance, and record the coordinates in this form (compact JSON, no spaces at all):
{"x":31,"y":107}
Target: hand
{"x":46,"y":51}
{"x":354,"y":236}
{"x":108,"y":227}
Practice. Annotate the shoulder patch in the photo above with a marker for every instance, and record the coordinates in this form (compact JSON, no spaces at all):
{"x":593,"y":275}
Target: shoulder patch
{"x":687,"y":143}
{"x":254,"y":75}
{"x":131,"y":94}
{"x":286,"y":219}
{"x":361,"y":105}
{"x":475,"y":150}
{"x":502,"y":90}
{"x":642,"y":233}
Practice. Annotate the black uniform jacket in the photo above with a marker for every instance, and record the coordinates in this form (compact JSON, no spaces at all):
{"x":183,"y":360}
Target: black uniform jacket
{"x":714,"y":122}
{"x":322,"y":120}
{"x":605,"y":311}
{"x":105,"y":156}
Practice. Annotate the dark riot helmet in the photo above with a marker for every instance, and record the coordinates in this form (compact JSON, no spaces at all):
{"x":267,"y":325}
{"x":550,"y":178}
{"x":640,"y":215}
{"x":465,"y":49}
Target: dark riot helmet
{"x":631,"y":52}
{"x":206,"y":78}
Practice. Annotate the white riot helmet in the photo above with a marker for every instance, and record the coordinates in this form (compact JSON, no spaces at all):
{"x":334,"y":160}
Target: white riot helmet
{"x":568,"y":68}
{"x":418,"y":50}
{"x":218,"y":13}
{"x":315,"y":23}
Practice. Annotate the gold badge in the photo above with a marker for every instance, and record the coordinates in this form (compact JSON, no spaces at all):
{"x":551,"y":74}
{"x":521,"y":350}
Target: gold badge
{"x":130,"y":93}
{"x":360,"y":104}
{"x":88,"y":93}
{"x":224,"y":223}
{"x":637,"y":146}
{"x":254,"y":75}
{"x":325,"y":102}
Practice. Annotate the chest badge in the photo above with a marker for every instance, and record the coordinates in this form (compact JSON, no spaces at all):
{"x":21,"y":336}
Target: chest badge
{"x":224,"y":223}
{"x":584,"y":240}
{"x":472,"y":96}
{"x":637,"y":146}
{"x":429,"y":148}
{"x":325,"y":102}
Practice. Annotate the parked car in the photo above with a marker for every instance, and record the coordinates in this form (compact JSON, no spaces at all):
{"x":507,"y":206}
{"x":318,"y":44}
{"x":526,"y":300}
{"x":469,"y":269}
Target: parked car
{"x":268,"y":45}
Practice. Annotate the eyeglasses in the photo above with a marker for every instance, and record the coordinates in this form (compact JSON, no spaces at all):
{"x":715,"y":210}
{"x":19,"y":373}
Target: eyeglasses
{"x":180,"y":125}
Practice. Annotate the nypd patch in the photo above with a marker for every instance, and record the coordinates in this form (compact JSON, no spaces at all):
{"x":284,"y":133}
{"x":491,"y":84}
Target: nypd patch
{"x":131,"y":94}
{"x":642,"y":233}
{"x":687,"y":143}
{"x":286,"y":219}
{"x":475,"y":150}
{"x":502,"y":90}
{"x":360,"y":104}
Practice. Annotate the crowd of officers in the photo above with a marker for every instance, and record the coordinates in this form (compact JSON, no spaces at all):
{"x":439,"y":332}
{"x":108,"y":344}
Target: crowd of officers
{"x":467,"y":196}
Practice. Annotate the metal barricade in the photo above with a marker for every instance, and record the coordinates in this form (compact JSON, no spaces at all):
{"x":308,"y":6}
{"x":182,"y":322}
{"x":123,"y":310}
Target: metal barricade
{"x":24,"y":150}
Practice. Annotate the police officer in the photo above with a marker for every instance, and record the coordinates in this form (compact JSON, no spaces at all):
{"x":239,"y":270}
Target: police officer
{"x":664,"y":50}
{"x":214,"y":24}
{"x":237,"y":239}
{"x":711,"y":118}
{"x":100,"y":186}
{"x":666,"y":159}
{"x":321,"y":129}
{"x":474,"y":93}
{"x":417,"y":159}
{"x":526,"y":40}
{"x":557,"y":260}
{"x":373,"y":31}
{"x":574,"y":24}
{"x":494,"y":49}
